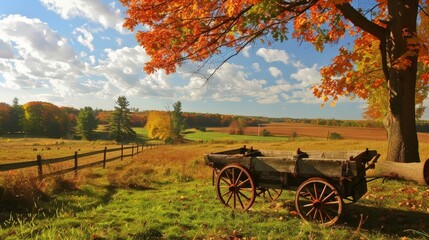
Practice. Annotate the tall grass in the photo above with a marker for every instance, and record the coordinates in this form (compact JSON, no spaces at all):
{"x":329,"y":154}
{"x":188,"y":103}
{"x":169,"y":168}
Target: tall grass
{"x":166,"y":193}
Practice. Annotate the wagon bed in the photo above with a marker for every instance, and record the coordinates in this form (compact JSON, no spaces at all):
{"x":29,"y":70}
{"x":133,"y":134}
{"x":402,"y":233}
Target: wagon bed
{"x":321,"y":178}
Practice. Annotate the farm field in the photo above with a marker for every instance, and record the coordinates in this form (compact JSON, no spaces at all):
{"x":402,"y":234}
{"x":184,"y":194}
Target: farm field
{"x":319,"y":131}
{"x":167,"y":193}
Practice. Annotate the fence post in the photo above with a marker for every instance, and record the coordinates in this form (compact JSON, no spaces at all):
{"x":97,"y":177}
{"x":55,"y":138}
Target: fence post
{"x":122,"y":151}
{"x":104,"y":158}
{"x":132,"y":151}
{"x":39,"y":166}
{"x":75,"y":162}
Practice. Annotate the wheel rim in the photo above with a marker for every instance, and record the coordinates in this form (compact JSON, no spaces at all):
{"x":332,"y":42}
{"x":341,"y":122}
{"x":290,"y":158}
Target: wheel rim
{"x":319,"y":201}
{"x":270,"y":194}
{"x":235,"y":187}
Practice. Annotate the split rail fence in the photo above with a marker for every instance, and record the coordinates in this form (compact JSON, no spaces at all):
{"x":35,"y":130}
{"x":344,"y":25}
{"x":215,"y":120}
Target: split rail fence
{"x":74,"y":159}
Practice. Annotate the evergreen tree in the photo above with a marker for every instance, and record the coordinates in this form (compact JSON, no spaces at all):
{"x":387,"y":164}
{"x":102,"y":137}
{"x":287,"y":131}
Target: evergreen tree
{"x":86,"y":123}
{"x":17,"y":117}
{"x":119,"y":123}
{"x":177,"y":121}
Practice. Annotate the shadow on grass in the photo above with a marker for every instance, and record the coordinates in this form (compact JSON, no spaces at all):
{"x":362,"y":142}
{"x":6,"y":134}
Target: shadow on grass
{"x":386,"y":220}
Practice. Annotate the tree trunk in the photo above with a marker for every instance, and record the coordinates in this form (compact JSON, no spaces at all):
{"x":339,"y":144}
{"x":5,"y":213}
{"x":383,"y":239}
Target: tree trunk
{"x":416,"y":172}
{"x":401,"y":70}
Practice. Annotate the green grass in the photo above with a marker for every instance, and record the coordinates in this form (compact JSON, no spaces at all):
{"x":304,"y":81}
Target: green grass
{"x":167,"y":193}
{"x":196,"y":135}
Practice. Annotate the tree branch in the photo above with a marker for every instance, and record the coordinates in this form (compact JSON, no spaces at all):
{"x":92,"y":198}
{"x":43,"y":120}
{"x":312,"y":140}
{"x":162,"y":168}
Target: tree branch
{"x":361,"y":21}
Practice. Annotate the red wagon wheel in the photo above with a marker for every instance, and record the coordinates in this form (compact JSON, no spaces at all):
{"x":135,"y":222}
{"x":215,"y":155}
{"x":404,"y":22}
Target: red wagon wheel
{"x":235,"y":187}
{"x":318,"y":200}
{"x":269,"y":194}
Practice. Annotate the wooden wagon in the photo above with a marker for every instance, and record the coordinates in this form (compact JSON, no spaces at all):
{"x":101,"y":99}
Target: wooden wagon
{"x":322,"y":180}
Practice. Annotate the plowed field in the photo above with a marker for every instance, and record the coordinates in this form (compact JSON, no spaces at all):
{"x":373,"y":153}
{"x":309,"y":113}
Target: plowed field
{"x":312,"y":130}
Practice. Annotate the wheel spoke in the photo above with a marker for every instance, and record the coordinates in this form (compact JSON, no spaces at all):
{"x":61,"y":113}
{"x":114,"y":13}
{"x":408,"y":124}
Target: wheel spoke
{"x":229,"y":198}
{"x":309,"y":193}
{"x":309,"y":212}
{"x":243,"y":182}
{"x":327,"y":214}
{"x":329,"y":195}
{"x":239,"y":200}
{"x":335,"y":211}
{"x":307,"y":205}
{"x":242,"y":194}
{"x":315,"y":191}
{"x":322,"y":219}
{"x":323,"y":191}
{"x":238,"y":178}
{"x":224,"y":180}
{"x":332,"y":203}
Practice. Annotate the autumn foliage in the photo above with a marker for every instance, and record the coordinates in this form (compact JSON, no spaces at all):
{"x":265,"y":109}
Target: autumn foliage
{"x":178,"y":31}
{"x":159,"y":125}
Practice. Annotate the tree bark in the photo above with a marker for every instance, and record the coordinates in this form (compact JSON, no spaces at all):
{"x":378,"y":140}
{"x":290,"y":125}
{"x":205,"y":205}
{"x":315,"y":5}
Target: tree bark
{"x":416,"y":172}
{"x":401,"y":63}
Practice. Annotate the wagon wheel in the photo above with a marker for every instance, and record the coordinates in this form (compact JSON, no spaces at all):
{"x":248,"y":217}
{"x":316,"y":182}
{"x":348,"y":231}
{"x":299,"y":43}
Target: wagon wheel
{"x":235,"y":187}
{"x":318,"y":200}
{"x":269,"y":194}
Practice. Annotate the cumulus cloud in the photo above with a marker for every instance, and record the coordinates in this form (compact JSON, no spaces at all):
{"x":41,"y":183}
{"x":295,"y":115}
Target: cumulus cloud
{"x":96,"y":11}
{"x":256,"y":67}
{"x":275,"y":72}
{"x":84,"y":37}
{"x":122,"y":67}
{"x":5,"y":50}
{"x":41,"y":54}
{"x":245,"y":51}
{"x":273,"y":55}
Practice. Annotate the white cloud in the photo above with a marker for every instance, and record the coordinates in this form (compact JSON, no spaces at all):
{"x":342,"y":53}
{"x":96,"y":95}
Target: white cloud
{"x":5,"y":50}
{"x":41,"y":54}
{"x":307,"y":76}
{"x":275,"y":72}
{"x":84,"y":37}
{"x":256,"y":67}
{"x":119,"y":41}
{"x":273,"y":55}
{"x":245,"y":51}
{"x":94,"y":10}
{"x":122,"y":68}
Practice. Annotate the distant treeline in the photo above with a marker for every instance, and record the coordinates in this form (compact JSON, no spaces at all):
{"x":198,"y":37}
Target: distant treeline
{"x":47,"y":119}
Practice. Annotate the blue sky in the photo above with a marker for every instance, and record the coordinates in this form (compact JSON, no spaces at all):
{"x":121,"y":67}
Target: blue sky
{"x":76,"y":53}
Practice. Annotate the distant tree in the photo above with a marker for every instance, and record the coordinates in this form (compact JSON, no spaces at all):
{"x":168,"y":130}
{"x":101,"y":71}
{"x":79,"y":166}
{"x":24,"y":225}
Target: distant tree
{"x":71,"y":120}
{"x":177,"y":121}
{"x":237,"y":126}
{"x":5,"y":117}
{"x":119,"y":123}
{"x":158,"y":125}
{"x":87,"y":122}
{"x":17,"y":117}
{"x":46,"y":119}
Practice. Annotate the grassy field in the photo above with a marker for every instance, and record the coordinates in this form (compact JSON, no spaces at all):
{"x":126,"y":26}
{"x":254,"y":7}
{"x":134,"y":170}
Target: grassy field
{"x":167,"y":193}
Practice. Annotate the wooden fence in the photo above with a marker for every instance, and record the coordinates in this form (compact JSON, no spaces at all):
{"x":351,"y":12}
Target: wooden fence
{"x":39,"y":162}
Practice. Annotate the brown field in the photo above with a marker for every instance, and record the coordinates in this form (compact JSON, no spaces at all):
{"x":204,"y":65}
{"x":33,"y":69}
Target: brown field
{"x":319,"y":131}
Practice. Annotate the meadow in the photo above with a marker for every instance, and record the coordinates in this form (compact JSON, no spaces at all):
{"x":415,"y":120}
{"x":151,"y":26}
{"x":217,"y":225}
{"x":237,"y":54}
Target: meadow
{"x":167,"y":193}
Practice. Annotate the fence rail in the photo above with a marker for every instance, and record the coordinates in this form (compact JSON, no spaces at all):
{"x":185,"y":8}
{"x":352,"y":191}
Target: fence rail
{"x":39,"y":162}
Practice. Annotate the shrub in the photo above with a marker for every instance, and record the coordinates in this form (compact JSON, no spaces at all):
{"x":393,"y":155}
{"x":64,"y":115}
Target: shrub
{"x":266,"y":133}
{"x":335,"y":136}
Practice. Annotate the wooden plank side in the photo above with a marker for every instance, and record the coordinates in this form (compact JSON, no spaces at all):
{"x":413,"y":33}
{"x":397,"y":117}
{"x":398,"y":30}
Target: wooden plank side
{"x":273,"y":164}
{"x":278,"y":153}
{"x":316,"y":167}
{"x":221,"y":160}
